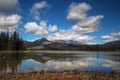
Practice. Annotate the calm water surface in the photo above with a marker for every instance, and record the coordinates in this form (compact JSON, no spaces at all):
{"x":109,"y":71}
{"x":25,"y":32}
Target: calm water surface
{"x":59,"y":61}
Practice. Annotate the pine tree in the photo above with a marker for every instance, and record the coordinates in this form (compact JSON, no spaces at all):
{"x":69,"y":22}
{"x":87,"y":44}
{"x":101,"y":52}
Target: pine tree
{"x":11,"y":43}
{"x":4,"y":39}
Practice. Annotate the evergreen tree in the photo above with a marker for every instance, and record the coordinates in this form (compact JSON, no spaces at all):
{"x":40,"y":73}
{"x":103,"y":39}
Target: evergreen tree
{"x":15,"y":42}
{"x":11,"y":43}
{"x":4,"y":39}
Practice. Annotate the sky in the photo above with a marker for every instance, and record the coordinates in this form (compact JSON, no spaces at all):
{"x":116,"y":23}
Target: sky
{"x":86,"y":21}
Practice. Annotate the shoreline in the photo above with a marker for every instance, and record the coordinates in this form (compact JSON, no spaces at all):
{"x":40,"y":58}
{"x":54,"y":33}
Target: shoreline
{"x":50,"y":51}
{"x":63,"y":75}
{"x":21,"y":51}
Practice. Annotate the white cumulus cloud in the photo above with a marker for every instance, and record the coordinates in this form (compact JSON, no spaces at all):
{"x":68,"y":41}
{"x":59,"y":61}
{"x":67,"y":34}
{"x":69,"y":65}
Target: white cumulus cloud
{"x":70,"y":35}
{"x":88,"y":25}
{"x":78,"y":11}
{"x":9,"y":22}
{"x":84,"y":23}
{"x":37,"y":7}
{"x":39,"y":29}
{"x":111,"y":37}
{"x":52,"y":28}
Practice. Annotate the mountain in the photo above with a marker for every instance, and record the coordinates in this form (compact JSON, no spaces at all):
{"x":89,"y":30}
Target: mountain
{"x":111,"y":46}
{"x":46,"y":44}
{"x":35,"y":43}
{"x":117,"y":42}
{"x":69,"y":42}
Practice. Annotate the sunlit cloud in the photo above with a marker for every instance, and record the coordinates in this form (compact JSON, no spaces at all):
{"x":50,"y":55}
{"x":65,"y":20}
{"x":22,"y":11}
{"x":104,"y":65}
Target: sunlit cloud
{"x":52,"y":28}
{"x":36,"y":9}
{"x":67,"y":35}
{"x":84,"y":23}
{"x":78,"y":12}
{"x":111,"y":37}
{"x":39,"y":29}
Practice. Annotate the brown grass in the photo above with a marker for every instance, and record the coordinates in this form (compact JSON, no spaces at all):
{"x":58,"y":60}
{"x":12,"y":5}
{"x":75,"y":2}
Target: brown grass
{"x":65,"y":75}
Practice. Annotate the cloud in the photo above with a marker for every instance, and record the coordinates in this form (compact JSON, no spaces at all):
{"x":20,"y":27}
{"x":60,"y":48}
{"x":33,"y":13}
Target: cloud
{"x":70,"y":35}
{"x":8,"y":6}
{"x":52,"y":28}
{"x":111,"y":37}
{"x":42,"y":28}
{"x":88,"y":25}
{"x":9,"y":22}
{"x":39,"y":29}
{"x":78,"y":11}
{"x":37,"y":7}
{"x":8,"y":17}
{"x":84,"y":23}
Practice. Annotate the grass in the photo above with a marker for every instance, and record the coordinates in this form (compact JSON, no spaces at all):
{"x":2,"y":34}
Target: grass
{"x":21,"y":51}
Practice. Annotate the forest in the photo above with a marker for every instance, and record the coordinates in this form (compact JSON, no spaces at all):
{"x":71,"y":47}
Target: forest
{"x":11,"y":41}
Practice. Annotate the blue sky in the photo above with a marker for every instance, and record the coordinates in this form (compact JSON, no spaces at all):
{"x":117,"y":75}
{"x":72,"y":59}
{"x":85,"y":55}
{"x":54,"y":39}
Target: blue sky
{"x":86,"y":21}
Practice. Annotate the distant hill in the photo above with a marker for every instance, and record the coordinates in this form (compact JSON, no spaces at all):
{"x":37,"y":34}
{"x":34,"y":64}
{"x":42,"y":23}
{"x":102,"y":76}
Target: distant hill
{"x":45,"y":44}
{"x":37,"y":42}
{"x":111,"y":46}
{"x":69,"y":42}
{"x":117,"y":42}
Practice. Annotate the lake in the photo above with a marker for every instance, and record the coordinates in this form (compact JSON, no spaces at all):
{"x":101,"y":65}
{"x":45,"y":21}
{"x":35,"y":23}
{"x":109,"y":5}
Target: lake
{"x":59,"y":61}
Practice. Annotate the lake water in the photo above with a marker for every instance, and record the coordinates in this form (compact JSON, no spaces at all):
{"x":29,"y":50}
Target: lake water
{"x":59,"y":61}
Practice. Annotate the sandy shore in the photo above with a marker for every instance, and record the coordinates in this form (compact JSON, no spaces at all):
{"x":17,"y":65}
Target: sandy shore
{"x":65,"y":75}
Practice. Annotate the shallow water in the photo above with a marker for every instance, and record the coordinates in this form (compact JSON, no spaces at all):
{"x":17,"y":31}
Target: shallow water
{"x":59,"y":61}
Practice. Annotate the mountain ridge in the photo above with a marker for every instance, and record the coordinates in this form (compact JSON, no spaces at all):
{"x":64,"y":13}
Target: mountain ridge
{"x":45,"y":44}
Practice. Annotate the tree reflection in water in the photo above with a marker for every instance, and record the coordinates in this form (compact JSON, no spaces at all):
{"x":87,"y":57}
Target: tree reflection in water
{"x":10,"y":62}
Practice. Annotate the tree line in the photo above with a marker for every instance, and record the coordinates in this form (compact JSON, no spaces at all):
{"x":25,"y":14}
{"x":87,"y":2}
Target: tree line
{"x":98,"y":47}
{"x":11,"y":41}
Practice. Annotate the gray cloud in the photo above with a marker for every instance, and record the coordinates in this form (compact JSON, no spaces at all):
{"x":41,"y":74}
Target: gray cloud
{"x":8,"y":17}
{"x":8,"y":6}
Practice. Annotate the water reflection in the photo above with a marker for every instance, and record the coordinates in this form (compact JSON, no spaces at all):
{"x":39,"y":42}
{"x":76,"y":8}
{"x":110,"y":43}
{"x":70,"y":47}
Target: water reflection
{"x":10,"y":62}
{"x":36,"y":62}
